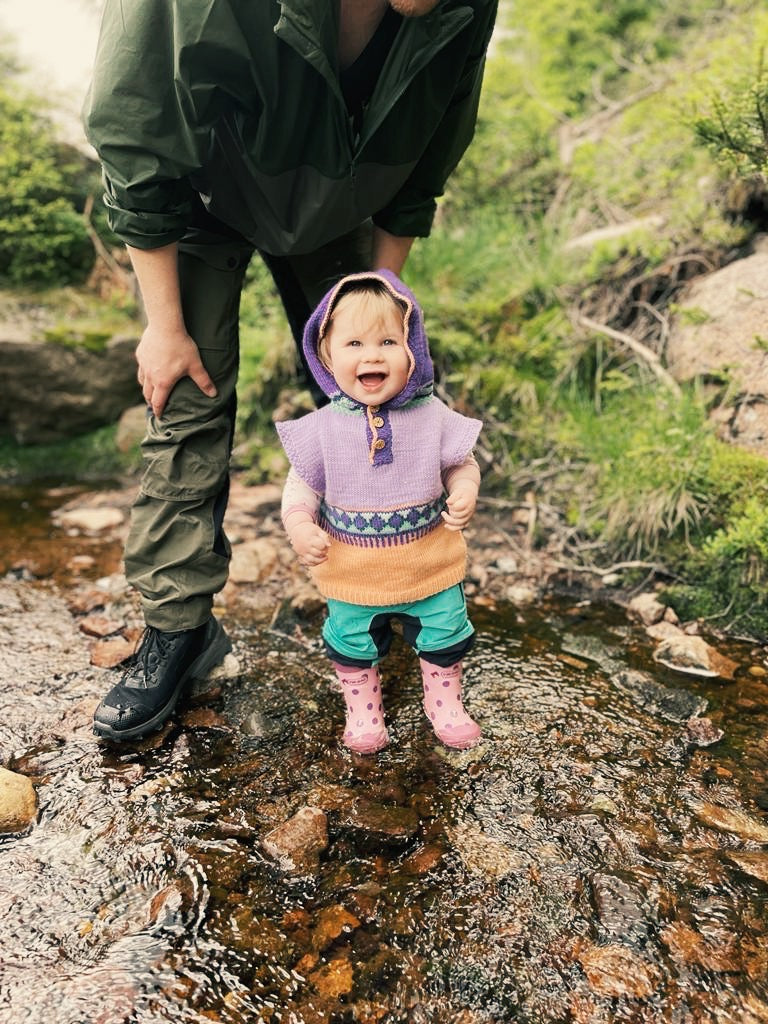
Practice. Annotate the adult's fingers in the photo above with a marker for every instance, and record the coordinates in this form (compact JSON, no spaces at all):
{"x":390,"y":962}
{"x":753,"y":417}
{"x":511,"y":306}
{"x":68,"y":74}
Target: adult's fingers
{"x":200,"y":377}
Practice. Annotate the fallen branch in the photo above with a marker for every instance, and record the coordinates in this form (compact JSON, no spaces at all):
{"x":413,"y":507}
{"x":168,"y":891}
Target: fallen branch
{"x":121,"y":276}
{"x":647,"y":355}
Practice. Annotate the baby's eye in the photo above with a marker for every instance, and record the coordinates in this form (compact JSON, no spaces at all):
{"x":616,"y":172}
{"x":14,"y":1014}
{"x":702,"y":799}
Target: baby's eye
{"x":353,"y":342}
{"x":389,"y":341}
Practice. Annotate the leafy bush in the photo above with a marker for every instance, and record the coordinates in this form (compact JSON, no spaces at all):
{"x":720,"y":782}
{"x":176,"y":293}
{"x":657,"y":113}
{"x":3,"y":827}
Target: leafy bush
{"x":43,"y":239}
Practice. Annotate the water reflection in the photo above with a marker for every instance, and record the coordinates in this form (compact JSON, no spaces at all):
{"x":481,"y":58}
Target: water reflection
{"x":562,"y":871}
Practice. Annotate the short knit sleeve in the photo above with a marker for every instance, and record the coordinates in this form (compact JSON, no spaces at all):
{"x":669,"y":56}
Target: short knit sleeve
{"x":458,"y":437}
{"x":299,"y":438}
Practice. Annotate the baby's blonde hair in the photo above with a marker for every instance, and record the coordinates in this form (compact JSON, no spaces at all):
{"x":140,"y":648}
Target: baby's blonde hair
{"x":374,"y":297}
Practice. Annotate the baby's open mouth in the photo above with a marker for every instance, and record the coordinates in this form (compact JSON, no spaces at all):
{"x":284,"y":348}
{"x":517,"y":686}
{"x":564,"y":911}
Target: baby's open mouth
{"x":372,"y":380}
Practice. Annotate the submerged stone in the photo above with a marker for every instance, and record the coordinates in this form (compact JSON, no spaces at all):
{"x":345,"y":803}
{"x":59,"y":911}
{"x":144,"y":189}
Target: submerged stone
{"x":483,"y":855}
{"x":751,"y":863}
{"x":330,"y":924}
{"x":379,"y":823}
{"x":616,"y":971}
{"x":673,"y":704}
{"x":731,"y":820}
{"x":298,"y":842}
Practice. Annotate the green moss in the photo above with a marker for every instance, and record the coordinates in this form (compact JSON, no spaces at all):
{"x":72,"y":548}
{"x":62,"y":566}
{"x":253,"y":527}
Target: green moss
{"x":93,"y":339}
{"x":92,"y":456}
{"x":728,"y":575}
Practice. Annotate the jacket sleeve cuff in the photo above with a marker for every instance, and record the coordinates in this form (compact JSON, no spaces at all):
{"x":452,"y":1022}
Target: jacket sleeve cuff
{"x":407,"y":217}
{"x":148,"y":229}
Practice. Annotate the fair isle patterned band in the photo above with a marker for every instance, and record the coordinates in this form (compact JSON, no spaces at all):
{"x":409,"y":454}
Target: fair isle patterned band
{"x":373,"y":529}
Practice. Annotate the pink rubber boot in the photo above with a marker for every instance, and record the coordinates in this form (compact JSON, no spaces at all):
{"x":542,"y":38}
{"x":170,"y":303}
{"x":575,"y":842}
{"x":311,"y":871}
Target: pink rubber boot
{"x":365,"y":731}
{"x":442,"y":703}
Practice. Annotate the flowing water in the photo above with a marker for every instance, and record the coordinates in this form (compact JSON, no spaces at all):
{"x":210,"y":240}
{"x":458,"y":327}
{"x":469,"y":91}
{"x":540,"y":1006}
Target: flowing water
{"x":588,"y":862}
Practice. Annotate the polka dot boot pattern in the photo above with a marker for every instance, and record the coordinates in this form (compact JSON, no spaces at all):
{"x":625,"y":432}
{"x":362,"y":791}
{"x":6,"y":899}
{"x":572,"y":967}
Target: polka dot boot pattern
{"x":364,"y":730}
{"x":444,"y":708}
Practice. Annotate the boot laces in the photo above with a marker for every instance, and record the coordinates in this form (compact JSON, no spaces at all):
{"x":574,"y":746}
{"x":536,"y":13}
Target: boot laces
{"x":154,"y":647}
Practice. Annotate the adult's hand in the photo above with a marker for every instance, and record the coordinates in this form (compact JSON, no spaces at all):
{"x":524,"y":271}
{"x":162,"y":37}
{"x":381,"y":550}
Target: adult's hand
{"x":164,"y":357}
{"x":166,"y":352}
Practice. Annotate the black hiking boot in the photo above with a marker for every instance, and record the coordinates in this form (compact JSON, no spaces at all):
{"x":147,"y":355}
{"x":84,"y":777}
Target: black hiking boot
{"x":156,"y":677}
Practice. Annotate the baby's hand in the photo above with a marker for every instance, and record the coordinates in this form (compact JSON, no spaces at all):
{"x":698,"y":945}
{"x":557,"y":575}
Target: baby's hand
{"x":310,"y":543}
{"x":460,"y":506}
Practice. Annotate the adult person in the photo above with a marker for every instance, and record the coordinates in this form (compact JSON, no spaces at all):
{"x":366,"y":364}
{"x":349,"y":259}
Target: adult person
{"x":316,"y":132}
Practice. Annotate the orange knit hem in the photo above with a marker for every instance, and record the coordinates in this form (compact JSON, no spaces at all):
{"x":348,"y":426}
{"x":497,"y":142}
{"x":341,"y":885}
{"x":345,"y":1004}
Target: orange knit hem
{"x":393,"y":574}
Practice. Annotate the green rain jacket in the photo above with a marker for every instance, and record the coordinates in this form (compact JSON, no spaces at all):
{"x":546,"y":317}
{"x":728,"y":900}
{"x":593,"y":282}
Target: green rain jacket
{"x":239,"y":102}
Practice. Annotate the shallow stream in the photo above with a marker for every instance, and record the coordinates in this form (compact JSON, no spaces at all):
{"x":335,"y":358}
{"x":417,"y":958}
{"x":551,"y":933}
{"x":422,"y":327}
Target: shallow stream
{"x":587,"y":863}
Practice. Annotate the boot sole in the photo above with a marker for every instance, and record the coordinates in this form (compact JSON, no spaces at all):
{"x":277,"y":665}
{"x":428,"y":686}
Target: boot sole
{"x":216,"y":650}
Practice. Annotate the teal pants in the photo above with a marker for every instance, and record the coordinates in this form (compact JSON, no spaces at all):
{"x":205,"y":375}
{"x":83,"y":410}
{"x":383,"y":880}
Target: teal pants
{"x":437,"y":627}
{"x":177,"y":554}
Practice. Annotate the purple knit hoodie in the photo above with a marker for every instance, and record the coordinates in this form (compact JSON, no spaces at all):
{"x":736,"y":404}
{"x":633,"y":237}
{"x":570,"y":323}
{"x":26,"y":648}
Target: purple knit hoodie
{"x":421,"y":376}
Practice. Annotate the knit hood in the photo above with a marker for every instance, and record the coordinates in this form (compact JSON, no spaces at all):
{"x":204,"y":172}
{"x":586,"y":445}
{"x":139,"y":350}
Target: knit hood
{"x":421,"y":374}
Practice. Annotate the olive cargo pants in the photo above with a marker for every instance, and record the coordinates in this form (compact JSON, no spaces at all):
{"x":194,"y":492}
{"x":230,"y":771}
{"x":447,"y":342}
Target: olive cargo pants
{"x":177,"y":554}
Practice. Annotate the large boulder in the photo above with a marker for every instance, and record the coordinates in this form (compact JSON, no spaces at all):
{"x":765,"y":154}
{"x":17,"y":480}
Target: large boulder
{"x":721,"y":334}
{"x":52,"y":391}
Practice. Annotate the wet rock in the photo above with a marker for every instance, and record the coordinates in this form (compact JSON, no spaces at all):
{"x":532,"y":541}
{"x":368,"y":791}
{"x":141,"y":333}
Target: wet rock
{"x":620,"y":907}
{"x":112,"y":652}
{"x":701,"y":732}
{"x":87,"y":600}
{"x":18,"y":802}
{"x":165,"y":905}
{"x":672,"y":704}
{"x":330,"y":924}
{"x":646,"y":608}
{"x":79,"y":563}
{"x":693,"y":656}
{"x":244,"y":930}
{"x":365,"y":899}
{"x":380,"y":970}
{"x":424,"y":860}
{"x":90,"y":520}
{"x":755,"y":1010}
{"x":754,"y":864}
{"x":482,"y":855}
{"x":375,"y":823}
{"x":205,"y":718}
{"x":732,"y":821}
{"x":616,"y":971}
{"x":690,"y":947}
{"x":99,"y":625}
{"x":591,"y":648}
{"x":334,"y":979}
{"x":255,"y":725}
{"x":298,"y":842}
{"x":602,"y":804}
{"x":229,"y":668}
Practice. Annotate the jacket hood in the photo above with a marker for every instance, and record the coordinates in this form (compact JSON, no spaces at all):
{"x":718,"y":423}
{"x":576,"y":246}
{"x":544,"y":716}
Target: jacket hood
{"x":421,"y":375}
